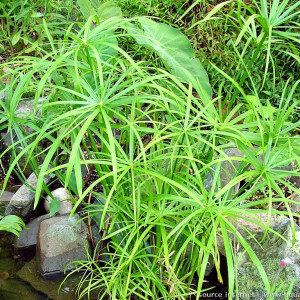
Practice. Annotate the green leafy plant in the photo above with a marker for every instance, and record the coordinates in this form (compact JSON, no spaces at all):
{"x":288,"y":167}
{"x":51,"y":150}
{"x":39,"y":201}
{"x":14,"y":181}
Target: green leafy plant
{"x":22,"y":28}
{"x":263,"y":37}
{"x":12,"y":224}
{"x":276,"y":23}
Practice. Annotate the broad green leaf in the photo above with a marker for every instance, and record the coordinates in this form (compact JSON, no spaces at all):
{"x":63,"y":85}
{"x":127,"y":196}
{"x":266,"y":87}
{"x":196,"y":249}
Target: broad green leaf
{"x":102,"y":44}
{"x":108,"y":10}
{"x":12,"y":223}
{"x":174,"y":48}
{"x":16,"y":38}
{"x":86,"y":8}
{"x":54,"y":207}
{"x":104,"y":11}
{"x":267,"y":111}
{"x":254,"y":100}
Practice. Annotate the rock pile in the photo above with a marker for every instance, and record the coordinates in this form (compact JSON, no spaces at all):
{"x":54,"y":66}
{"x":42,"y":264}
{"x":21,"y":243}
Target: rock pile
{"x":57,"y":240}
{"x":21,"y":203}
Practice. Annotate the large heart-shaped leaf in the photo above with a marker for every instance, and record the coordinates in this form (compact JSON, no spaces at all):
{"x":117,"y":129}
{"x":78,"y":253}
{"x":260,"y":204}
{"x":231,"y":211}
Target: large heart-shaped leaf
{"x":174,"y":48}
{"x":103,"y":11}
{"x":86,"y":8}
{"x":108,"y":10}
{"x":106,"y":45}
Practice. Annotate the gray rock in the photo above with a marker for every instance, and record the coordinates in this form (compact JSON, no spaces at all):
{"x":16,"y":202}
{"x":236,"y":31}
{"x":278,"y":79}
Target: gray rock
{"x":6,"y":138}
{"x":273,"y":251}
{"x":23,"y":111}
{"x":51,"y":288}
{"x":295,"y":180}
{"x":62,"y":195}
{"x":6,"y":196}
{"x":61,"y":241}
{"x":28,"y":238}
{"x":21,"y":204}
{"x":22,"y":162}
{"x":26,"y":107}
{"x":244,"y":226}
{"x":228,"y":168}
{"x":296,"y":207}
{"x":4,"y":201}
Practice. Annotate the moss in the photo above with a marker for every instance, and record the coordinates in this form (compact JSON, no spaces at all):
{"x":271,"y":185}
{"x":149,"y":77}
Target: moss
{"x":249,"y":279}
{"x":296,"y":247}
{"x":272,"y":251}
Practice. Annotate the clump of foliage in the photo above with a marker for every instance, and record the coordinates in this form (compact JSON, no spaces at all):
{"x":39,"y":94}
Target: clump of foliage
{"x":221,"y":31}
{"x":22,"y":24}
{"x":11,"y":223}
{"x":152,"y":130}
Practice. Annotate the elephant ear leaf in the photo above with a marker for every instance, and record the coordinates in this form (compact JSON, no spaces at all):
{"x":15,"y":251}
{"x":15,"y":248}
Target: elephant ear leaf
{"x":174,"y":48}
{"x":109,"y":10}
{"x":86,"y":8}
{"x":103,"y":11}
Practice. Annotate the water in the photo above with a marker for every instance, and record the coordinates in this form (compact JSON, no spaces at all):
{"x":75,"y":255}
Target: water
{"x":11,"y":286}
